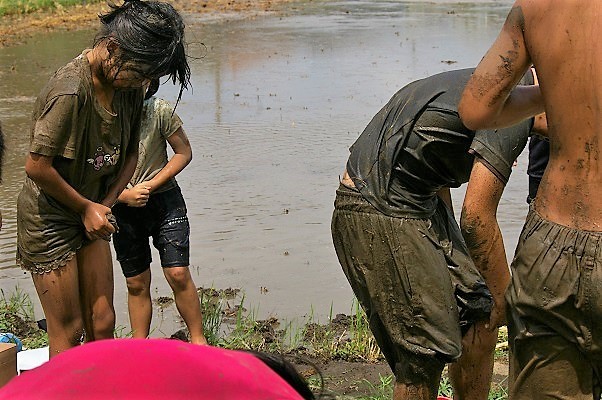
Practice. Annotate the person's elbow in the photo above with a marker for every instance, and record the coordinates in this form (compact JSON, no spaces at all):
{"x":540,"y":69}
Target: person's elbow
{"x":472,"y":116}
{"x":35,"y":168}
{"x":469,"y":222}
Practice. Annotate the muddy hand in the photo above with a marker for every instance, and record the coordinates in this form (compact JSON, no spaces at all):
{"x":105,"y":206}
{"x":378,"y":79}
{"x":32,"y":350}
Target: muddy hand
{"x":96,"y":222}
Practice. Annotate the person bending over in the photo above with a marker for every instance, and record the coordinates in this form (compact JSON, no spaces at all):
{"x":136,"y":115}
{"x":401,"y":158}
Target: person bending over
{"x":400,"y":247}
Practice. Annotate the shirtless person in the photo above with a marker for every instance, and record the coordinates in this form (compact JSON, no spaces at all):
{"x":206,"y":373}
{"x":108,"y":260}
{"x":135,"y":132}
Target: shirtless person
{"x":401,"y":249}
{"x":554,"y":298}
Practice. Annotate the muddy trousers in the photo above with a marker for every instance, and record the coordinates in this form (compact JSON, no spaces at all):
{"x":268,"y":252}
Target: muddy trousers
{"x":414,"y":279}
{"x":555,"y":313}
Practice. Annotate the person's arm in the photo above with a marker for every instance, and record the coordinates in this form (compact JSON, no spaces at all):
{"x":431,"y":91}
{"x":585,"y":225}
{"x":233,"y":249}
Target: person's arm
{"x":39,"y":168}
{"x":483,"y":237}
{"x":129,"y":166}
{"x":491,"y":98}
{"x":181,"y":158}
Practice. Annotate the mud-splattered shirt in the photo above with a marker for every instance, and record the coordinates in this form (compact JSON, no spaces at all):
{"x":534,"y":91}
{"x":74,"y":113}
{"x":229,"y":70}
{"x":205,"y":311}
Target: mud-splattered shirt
{"x":88,"y":144}
{"x":416,"y":145}
{"x":158,"y":123}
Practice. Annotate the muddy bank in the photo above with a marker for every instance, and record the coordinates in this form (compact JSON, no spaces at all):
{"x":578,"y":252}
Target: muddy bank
{"x":338,"y":358}
{"x":15,"y":29}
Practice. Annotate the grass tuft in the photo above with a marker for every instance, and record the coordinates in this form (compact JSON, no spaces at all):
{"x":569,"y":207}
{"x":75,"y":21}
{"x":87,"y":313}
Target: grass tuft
{"x":16,"y":317}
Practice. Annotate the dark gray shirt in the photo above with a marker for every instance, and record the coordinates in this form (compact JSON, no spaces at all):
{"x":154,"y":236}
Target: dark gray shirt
{"x":416,"y":145}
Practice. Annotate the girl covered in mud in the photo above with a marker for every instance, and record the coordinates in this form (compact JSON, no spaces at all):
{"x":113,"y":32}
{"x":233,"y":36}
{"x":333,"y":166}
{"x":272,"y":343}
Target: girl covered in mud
{"x":153,"y":206}
{"x":83,"y":151}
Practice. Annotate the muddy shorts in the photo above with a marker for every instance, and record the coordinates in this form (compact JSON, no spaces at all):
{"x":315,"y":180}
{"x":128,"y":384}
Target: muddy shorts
{"x":415,"y":280}
{"x":555,"y":312}
{"x":49,"y":234}
{"x":164,"y":219}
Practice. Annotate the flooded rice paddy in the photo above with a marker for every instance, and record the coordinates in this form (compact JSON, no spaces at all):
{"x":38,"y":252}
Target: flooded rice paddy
{"x":277,"y":101}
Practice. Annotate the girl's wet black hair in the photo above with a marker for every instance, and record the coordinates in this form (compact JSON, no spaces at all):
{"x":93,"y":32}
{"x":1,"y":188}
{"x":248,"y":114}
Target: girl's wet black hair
{"x":153,"y":87}
{"x":148,"y":33}
{"x":287,"y":371}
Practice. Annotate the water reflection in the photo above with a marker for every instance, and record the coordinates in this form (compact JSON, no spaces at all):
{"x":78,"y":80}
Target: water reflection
{"x":277,"y":100}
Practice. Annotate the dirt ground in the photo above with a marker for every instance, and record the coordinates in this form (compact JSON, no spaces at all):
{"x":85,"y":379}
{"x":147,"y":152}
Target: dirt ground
{"x":15,"y":29}
{"x":345,"y":379}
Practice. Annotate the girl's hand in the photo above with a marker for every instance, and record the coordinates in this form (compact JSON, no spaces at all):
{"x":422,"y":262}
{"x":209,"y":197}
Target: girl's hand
{"x":136,"y":196}
{"x":96,"y":223}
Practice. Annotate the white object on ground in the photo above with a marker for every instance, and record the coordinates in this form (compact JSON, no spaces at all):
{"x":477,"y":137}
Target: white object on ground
{"x":30,"y":359}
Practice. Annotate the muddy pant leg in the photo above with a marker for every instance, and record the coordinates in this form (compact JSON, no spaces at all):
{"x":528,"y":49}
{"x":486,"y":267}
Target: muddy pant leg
{"x":401,"y":280}
{"x":549,"y":367}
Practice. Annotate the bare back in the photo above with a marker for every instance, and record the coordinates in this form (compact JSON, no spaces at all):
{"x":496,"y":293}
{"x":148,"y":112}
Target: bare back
{"x":563,"y":40}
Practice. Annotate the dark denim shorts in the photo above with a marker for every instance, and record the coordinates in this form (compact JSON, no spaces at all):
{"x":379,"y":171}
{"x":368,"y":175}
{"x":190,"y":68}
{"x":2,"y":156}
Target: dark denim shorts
{"x":164,"y":219}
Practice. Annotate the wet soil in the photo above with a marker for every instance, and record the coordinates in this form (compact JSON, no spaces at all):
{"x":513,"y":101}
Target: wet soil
{"x":15,"y":29}
{"x":335,"y":377}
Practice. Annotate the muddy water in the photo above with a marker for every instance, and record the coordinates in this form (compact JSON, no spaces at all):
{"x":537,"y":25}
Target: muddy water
{"x":277,"y":101}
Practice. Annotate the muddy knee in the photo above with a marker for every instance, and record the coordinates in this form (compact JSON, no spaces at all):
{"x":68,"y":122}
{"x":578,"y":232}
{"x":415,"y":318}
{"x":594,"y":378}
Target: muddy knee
{"x":103,"y":323}
{"x":71,"y":328}
{"x":75,"y":332}
{"x":178,"y":278}
{"x":137,"y":285}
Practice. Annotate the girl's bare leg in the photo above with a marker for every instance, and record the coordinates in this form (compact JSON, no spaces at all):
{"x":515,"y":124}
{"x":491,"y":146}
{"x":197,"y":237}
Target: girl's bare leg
{"x":187,"y":301}
{"x":96,"y":290}
{"x":58,"y":291}
{"x":140,"y":306}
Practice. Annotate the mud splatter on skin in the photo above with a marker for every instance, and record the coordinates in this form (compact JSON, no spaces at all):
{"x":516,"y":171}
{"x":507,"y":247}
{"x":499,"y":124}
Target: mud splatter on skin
{"x":470,"y":226}
{"x":565,"y":190}
{"x":568,"y":35}
{"x":591,"y":149}
{"x":580,"y":214}
{"x":482,"y":85}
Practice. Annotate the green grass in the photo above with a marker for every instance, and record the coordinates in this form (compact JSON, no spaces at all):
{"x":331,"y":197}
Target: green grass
{"x":16,"y":317}
{"x":343,"y":337}
{"x":349,"y":340}
{"x":11,"y":7}
{"x":382,"y":390}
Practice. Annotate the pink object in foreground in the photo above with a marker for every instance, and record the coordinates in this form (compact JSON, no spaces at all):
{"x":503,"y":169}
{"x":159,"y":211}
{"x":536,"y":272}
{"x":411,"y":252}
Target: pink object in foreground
{"x":150,"y":369}
{"x":443,"y":398}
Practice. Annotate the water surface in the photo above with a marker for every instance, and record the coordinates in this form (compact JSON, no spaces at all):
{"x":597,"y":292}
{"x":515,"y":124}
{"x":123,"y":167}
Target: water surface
{"x":277,"y":101}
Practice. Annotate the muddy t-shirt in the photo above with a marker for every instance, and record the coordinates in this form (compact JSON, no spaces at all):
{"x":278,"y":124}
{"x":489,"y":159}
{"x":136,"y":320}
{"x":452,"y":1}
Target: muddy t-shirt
{"x":416,"y":145}
{"x":158,"y":123}
{"x":88,"y":144}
